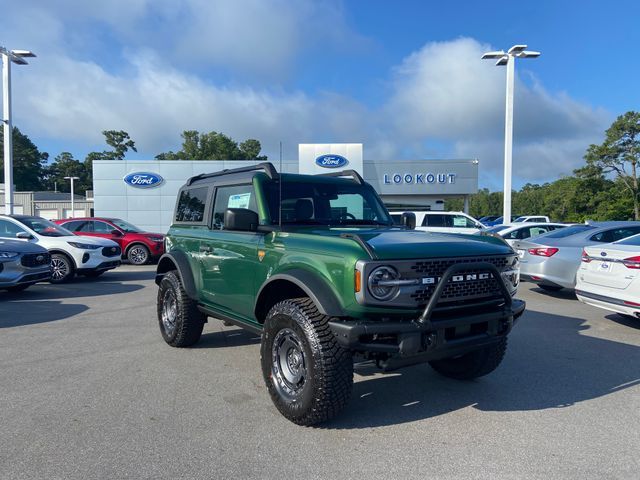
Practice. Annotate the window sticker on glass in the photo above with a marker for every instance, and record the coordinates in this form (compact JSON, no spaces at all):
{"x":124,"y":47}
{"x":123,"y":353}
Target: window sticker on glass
{"x":459,"y":222}
{"x":241,"y":200}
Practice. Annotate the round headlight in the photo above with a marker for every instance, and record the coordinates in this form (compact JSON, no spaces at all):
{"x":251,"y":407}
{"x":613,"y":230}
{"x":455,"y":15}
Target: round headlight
{"x":381,"y":285}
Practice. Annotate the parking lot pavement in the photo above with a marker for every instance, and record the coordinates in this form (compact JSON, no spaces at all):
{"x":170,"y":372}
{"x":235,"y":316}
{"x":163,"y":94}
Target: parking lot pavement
{"x":88,"y":389}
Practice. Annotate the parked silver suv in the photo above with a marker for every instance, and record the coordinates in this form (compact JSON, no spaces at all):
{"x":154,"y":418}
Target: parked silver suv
{"x":22,"y":264}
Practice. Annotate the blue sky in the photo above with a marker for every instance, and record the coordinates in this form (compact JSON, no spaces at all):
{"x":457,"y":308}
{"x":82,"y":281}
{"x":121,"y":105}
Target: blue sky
{"x":403,"y":77}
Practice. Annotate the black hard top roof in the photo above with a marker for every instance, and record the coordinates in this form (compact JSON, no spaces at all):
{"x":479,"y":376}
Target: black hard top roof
{"x":269,"y":170}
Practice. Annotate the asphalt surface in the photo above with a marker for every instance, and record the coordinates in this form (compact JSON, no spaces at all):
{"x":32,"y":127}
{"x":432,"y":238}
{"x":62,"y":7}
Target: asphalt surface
{"x":88,"y":389}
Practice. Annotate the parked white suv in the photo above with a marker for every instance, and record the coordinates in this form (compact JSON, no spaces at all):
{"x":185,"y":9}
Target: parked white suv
{"x":70,"y":254}
{"x":444,"y":222}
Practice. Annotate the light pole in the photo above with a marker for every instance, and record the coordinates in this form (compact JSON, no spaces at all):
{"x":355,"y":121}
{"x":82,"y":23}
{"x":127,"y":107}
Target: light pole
{"x":8,"y":57}
{"x":509,"y":59}
{"x":73,"y":210}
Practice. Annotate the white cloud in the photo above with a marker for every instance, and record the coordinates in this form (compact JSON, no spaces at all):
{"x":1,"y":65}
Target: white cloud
{"x":259,"y":37}
{"x":444,"y":92}
{"x":442,"y":100}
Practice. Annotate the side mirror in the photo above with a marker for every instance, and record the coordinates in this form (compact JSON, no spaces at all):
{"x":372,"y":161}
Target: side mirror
{"x":116,"y":233}
{"x":241,"y":219}
{"x":24,"y":236}
{"x":408,"y":219}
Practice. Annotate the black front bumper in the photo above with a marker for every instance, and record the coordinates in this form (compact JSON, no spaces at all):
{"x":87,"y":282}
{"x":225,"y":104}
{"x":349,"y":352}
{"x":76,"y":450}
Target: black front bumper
{"x":433,"y":335}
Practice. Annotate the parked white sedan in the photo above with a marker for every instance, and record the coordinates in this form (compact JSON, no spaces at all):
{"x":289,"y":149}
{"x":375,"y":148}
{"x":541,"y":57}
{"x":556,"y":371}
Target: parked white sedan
{"x":609,"y":276}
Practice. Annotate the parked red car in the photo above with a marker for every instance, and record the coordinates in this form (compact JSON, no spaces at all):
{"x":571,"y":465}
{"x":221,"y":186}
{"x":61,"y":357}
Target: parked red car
{"x":137,"y":246}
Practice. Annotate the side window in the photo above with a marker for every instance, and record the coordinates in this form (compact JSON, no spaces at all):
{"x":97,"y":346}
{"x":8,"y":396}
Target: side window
{"x":9,"y":229}
{"x":621,"y":233}
{"x":236,"y":196}
{"x":535,"y":231}
{"x":86,"y":227}
{"x":102,"y":227}
{"x":616,"y":234}
{"x":514,"y":235}
{"x":436,"y":221}
{"x":191,"y":205}
{"x":460,"y":221}
{"x":74,"y":226}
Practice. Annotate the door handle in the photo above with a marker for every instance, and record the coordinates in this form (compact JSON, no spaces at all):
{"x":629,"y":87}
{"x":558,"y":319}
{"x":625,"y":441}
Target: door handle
{"x":206,"y":249}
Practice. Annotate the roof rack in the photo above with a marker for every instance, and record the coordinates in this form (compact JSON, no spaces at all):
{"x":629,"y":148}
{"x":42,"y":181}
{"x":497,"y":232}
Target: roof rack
{"x":267,"y":167}
{"x":344,"y":173}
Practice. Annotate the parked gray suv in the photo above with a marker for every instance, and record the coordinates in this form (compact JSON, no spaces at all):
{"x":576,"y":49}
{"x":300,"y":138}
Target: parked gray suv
{"x":22,"y":264}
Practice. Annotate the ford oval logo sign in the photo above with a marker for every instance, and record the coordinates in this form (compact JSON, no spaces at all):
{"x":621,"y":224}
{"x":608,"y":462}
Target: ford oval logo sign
{"x":331,"y":161}
{"x":143,"y":180}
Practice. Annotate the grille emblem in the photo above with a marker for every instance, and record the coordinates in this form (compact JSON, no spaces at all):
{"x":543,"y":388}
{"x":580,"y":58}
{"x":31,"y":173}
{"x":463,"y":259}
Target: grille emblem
{"x":469,"y":277}
{"x":39,"y":258}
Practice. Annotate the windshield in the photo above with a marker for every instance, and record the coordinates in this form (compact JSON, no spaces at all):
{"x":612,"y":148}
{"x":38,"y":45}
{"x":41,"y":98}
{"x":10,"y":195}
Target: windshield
{"x":326,"y":203}
{"x":126,"y":226}
{"x":44,"y":227}
{"x":567,"y":232}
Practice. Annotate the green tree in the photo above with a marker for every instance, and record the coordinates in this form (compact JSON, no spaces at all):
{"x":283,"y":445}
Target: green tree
{"x":28,"y":161}
{"x":65,"y":165}
{"x":620,"y":154}
{"x":213,"y":146}
{"x":119,"y":141}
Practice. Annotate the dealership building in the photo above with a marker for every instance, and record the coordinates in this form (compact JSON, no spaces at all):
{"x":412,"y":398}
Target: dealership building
{"x":144,"y":191}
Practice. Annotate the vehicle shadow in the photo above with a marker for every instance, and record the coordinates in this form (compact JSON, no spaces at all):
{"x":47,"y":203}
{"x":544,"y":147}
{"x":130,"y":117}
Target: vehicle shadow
{"x":117,"y":275}
{"x":549,"y":364}
{"x":46,"y":291}
{"x":18,"y":314}
{"x":564,"y":294}
{"x":227,"y":338}
{"x":626,"y":321}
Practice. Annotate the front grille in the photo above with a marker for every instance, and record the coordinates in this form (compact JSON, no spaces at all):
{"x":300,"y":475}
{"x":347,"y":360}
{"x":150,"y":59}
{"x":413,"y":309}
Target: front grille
{"x":35,"y":259}
{"x":111,"y":251}
{"x":472,"y":285}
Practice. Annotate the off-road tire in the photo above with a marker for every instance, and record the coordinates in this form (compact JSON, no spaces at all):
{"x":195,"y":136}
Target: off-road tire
{"x":473,"y":364}
{"x":182,"y":313}
{"x":63,"y":264}
{"x":550,"y":288}
{"x":328,"y":367}
{"x":138,"y":254}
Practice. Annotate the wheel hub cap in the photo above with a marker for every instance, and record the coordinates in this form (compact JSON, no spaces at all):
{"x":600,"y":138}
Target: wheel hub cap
{"x":59,"y":269}
{"x":138,"y":255}
{"x":169,"y":312}
{"x":289,"y":369}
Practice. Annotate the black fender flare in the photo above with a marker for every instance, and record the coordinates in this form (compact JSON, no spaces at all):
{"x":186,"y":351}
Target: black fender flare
{"x":180,"y":262}
{"x":315,"y":287}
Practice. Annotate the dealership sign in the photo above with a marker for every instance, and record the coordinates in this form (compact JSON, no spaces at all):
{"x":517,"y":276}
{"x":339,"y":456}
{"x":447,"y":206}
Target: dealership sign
{"x":331,"y":161}
{"x":418,"y":178}
{"x":143,"y":180}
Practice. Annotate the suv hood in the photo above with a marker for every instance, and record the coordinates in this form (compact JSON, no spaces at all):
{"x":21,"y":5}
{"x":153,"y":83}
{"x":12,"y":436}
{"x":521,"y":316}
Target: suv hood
{"x":20,"y":246}
{"x":395,"y":243}
{"x":51,"y":242}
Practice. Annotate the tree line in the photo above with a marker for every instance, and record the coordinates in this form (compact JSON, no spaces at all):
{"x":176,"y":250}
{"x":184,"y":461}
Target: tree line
{"x":605,"y":188}
{"x":33,"y":170}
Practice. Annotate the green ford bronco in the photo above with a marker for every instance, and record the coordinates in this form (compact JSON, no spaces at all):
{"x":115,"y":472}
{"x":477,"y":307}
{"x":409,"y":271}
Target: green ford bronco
{"x":316,"y":266}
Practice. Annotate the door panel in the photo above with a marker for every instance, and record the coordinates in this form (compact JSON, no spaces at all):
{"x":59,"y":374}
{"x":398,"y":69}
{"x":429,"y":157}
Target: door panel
{"x":228,"y":258}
